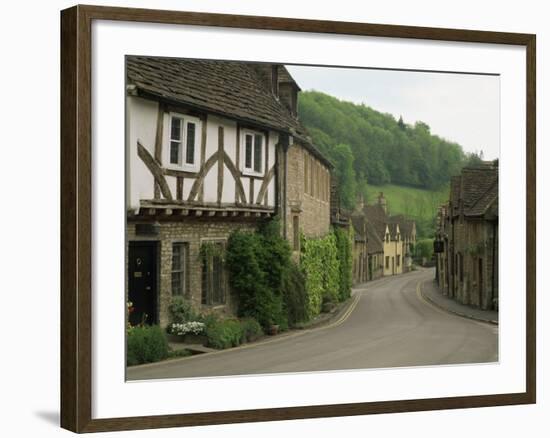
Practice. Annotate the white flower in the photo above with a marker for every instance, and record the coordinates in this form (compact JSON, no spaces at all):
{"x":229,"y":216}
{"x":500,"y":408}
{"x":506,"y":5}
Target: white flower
{"x":194,"y":327}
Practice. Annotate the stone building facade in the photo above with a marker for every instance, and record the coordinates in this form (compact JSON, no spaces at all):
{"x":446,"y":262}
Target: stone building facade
{"x":212,"y":147}
{"x":308,"y":195}
{"x":467,"y":238}
{"x":382,"y":242}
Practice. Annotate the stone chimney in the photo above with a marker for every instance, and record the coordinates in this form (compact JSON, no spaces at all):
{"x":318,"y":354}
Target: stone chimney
{"x":382,"y":202}
{"x":360,"y":206}
{"x":288,"y":94}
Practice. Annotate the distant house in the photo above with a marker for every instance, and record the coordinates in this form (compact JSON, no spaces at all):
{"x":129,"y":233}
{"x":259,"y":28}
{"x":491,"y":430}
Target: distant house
{"x":212,"y":147}
{"x":368,"y":250}
{"x":467,"y":238}
{"x":407,"y":229}
{"x":387,"y":241}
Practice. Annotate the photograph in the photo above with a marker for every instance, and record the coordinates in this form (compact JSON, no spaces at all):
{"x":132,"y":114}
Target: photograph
{"x":285,"y":218}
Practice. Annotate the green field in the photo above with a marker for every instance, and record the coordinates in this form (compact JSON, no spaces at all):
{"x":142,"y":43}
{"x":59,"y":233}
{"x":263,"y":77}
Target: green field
{"x":419,"y":204}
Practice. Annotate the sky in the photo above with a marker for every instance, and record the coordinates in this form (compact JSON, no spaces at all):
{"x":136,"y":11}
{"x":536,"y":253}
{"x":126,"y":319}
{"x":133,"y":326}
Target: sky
{"x":463,"y":108}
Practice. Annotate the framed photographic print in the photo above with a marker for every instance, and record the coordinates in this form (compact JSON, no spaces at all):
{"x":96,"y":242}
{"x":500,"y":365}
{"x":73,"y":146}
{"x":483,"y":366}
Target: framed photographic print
{"x":268,"y":218}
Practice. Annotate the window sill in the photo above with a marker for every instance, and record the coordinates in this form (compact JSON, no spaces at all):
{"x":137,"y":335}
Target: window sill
{"x":186,"y":168}
{"x":252,"y":173}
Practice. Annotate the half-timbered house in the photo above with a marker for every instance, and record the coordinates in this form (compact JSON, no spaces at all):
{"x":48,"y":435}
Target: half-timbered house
{"x":212,"y":147}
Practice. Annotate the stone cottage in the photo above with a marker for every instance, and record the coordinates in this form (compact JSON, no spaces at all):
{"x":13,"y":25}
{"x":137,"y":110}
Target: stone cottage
{"x":212,"y":147}
{"x":467,"y":238}
{"x":386,"y":241}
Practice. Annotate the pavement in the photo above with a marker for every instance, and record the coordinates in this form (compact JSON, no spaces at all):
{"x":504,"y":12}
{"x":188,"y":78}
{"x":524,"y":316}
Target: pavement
{"x":388,"y":324}
{"x":431,"y":292}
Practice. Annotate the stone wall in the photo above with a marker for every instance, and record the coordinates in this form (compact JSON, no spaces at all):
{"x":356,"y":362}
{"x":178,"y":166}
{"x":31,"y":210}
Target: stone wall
{"x":194,"y":231}
{"x":467,"y":269}
{"x":360,"y":262}
{"x":308,"y":199}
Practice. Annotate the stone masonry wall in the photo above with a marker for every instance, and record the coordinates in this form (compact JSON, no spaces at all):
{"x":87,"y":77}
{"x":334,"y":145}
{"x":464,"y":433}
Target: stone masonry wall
{"x":313,"y":210}
{"x":194,"y":232}
{"x":472,"y":244}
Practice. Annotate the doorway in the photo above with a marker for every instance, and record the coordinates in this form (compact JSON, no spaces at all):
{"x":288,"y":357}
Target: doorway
{"x":142,"y":282}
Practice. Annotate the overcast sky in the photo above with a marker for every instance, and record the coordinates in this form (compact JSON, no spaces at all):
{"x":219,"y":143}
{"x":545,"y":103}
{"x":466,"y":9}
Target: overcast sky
{"x":459,"y":107}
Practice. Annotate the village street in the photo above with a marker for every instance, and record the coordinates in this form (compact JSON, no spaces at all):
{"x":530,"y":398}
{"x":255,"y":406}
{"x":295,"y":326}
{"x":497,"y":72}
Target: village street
{"x":390,"y":324}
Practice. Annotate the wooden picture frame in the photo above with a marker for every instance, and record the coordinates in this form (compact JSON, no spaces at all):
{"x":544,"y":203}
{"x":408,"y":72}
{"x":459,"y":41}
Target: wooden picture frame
{"x":76,"y":218}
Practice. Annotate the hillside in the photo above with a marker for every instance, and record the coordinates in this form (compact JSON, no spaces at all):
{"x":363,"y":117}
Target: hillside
{"x":420,"y":204}
{"x":372,"y":148}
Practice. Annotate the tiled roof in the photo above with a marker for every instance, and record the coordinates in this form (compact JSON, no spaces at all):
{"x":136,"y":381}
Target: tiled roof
{"x":485,"y":202}
{"x":374,"y":244}
{"x":378,"y":218}
{"x":475,"y":183}
{"x":358,"y":222}
{"x":231,"y":89}
{"x":474,"y":191}
{"x":406,"y":226}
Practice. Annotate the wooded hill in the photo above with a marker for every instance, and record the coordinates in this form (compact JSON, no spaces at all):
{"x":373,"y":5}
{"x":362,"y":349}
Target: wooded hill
{"x":369,"y":147}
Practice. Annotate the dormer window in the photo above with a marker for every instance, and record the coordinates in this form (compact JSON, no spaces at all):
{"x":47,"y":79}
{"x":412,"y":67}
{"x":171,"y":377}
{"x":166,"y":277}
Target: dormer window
{"x":252,"y":147}
{"x":387,"y":237}
{"x":182,"y":151}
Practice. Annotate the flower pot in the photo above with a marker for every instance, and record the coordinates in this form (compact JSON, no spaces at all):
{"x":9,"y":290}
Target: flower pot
{"x":191,"y":338}
{"x":170,"y":337}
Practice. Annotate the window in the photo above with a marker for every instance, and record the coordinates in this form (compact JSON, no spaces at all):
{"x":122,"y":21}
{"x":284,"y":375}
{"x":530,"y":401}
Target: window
{"x":296,"y":232}
{"x":387,"y":237}
{"x":253,"y":145}
{"x":180,"y":253}
{"x":398,"y":261}
{"x":387,"y":262}
{"x":213,"y":274}
{"x":182,"y":141}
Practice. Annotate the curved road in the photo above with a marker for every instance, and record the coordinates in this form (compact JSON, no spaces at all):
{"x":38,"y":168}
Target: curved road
{"x":391,"y":325}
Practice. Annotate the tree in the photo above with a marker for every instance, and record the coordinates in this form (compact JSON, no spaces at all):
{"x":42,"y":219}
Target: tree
{"x":384,"y":150}
{"x":345,"y":175}
{"x":401,"y":124}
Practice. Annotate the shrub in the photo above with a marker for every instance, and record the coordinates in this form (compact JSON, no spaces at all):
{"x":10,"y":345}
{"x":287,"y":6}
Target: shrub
{"x":251,"y":328}
{"x":295,"y":296}
{"x":424,"y":249}
{"x":344,"y":241}
{"x":181,"y":311}
{"x":224,"y":333}
{"x":256,"y":264}
{"x":145,"y":344}
{"x":321,"y":268}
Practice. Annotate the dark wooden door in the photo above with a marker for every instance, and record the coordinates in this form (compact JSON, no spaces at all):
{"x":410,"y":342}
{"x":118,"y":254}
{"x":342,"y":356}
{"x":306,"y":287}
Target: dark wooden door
{"x":142,"y":282}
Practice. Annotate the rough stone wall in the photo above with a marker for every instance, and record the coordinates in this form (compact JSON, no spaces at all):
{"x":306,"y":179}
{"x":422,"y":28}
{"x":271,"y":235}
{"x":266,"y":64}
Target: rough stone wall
{"x":471,"y":246}
{"x":377,"y":261}
{"x":360,"y":262}
{"x":192,"y":231}
{"x":313,"y":211}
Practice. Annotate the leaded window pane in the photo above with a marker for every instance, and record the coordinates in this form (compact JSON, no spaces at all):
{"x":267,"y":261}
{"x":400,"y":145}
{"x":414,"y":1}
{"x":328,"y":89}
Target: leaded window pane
{"x":190,"y":150}
{"x":174,"y":152}
{"x":248,"y":151}
{"x":257,"y":153}
{"x":175,"y":132}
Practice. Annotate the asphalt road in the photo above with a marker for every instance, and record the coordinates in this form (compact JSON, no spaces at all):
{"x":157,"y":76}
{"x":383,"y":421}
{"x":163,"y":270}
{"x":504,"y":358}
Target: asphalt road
{"x":390,"y":325}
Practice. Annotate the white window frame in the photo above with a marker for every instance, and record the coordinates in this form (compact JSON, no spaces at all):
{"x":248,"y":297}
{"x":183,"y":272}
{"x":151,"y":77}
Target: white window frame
{"x":186,"y":119}
{"x":250,"y":170}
